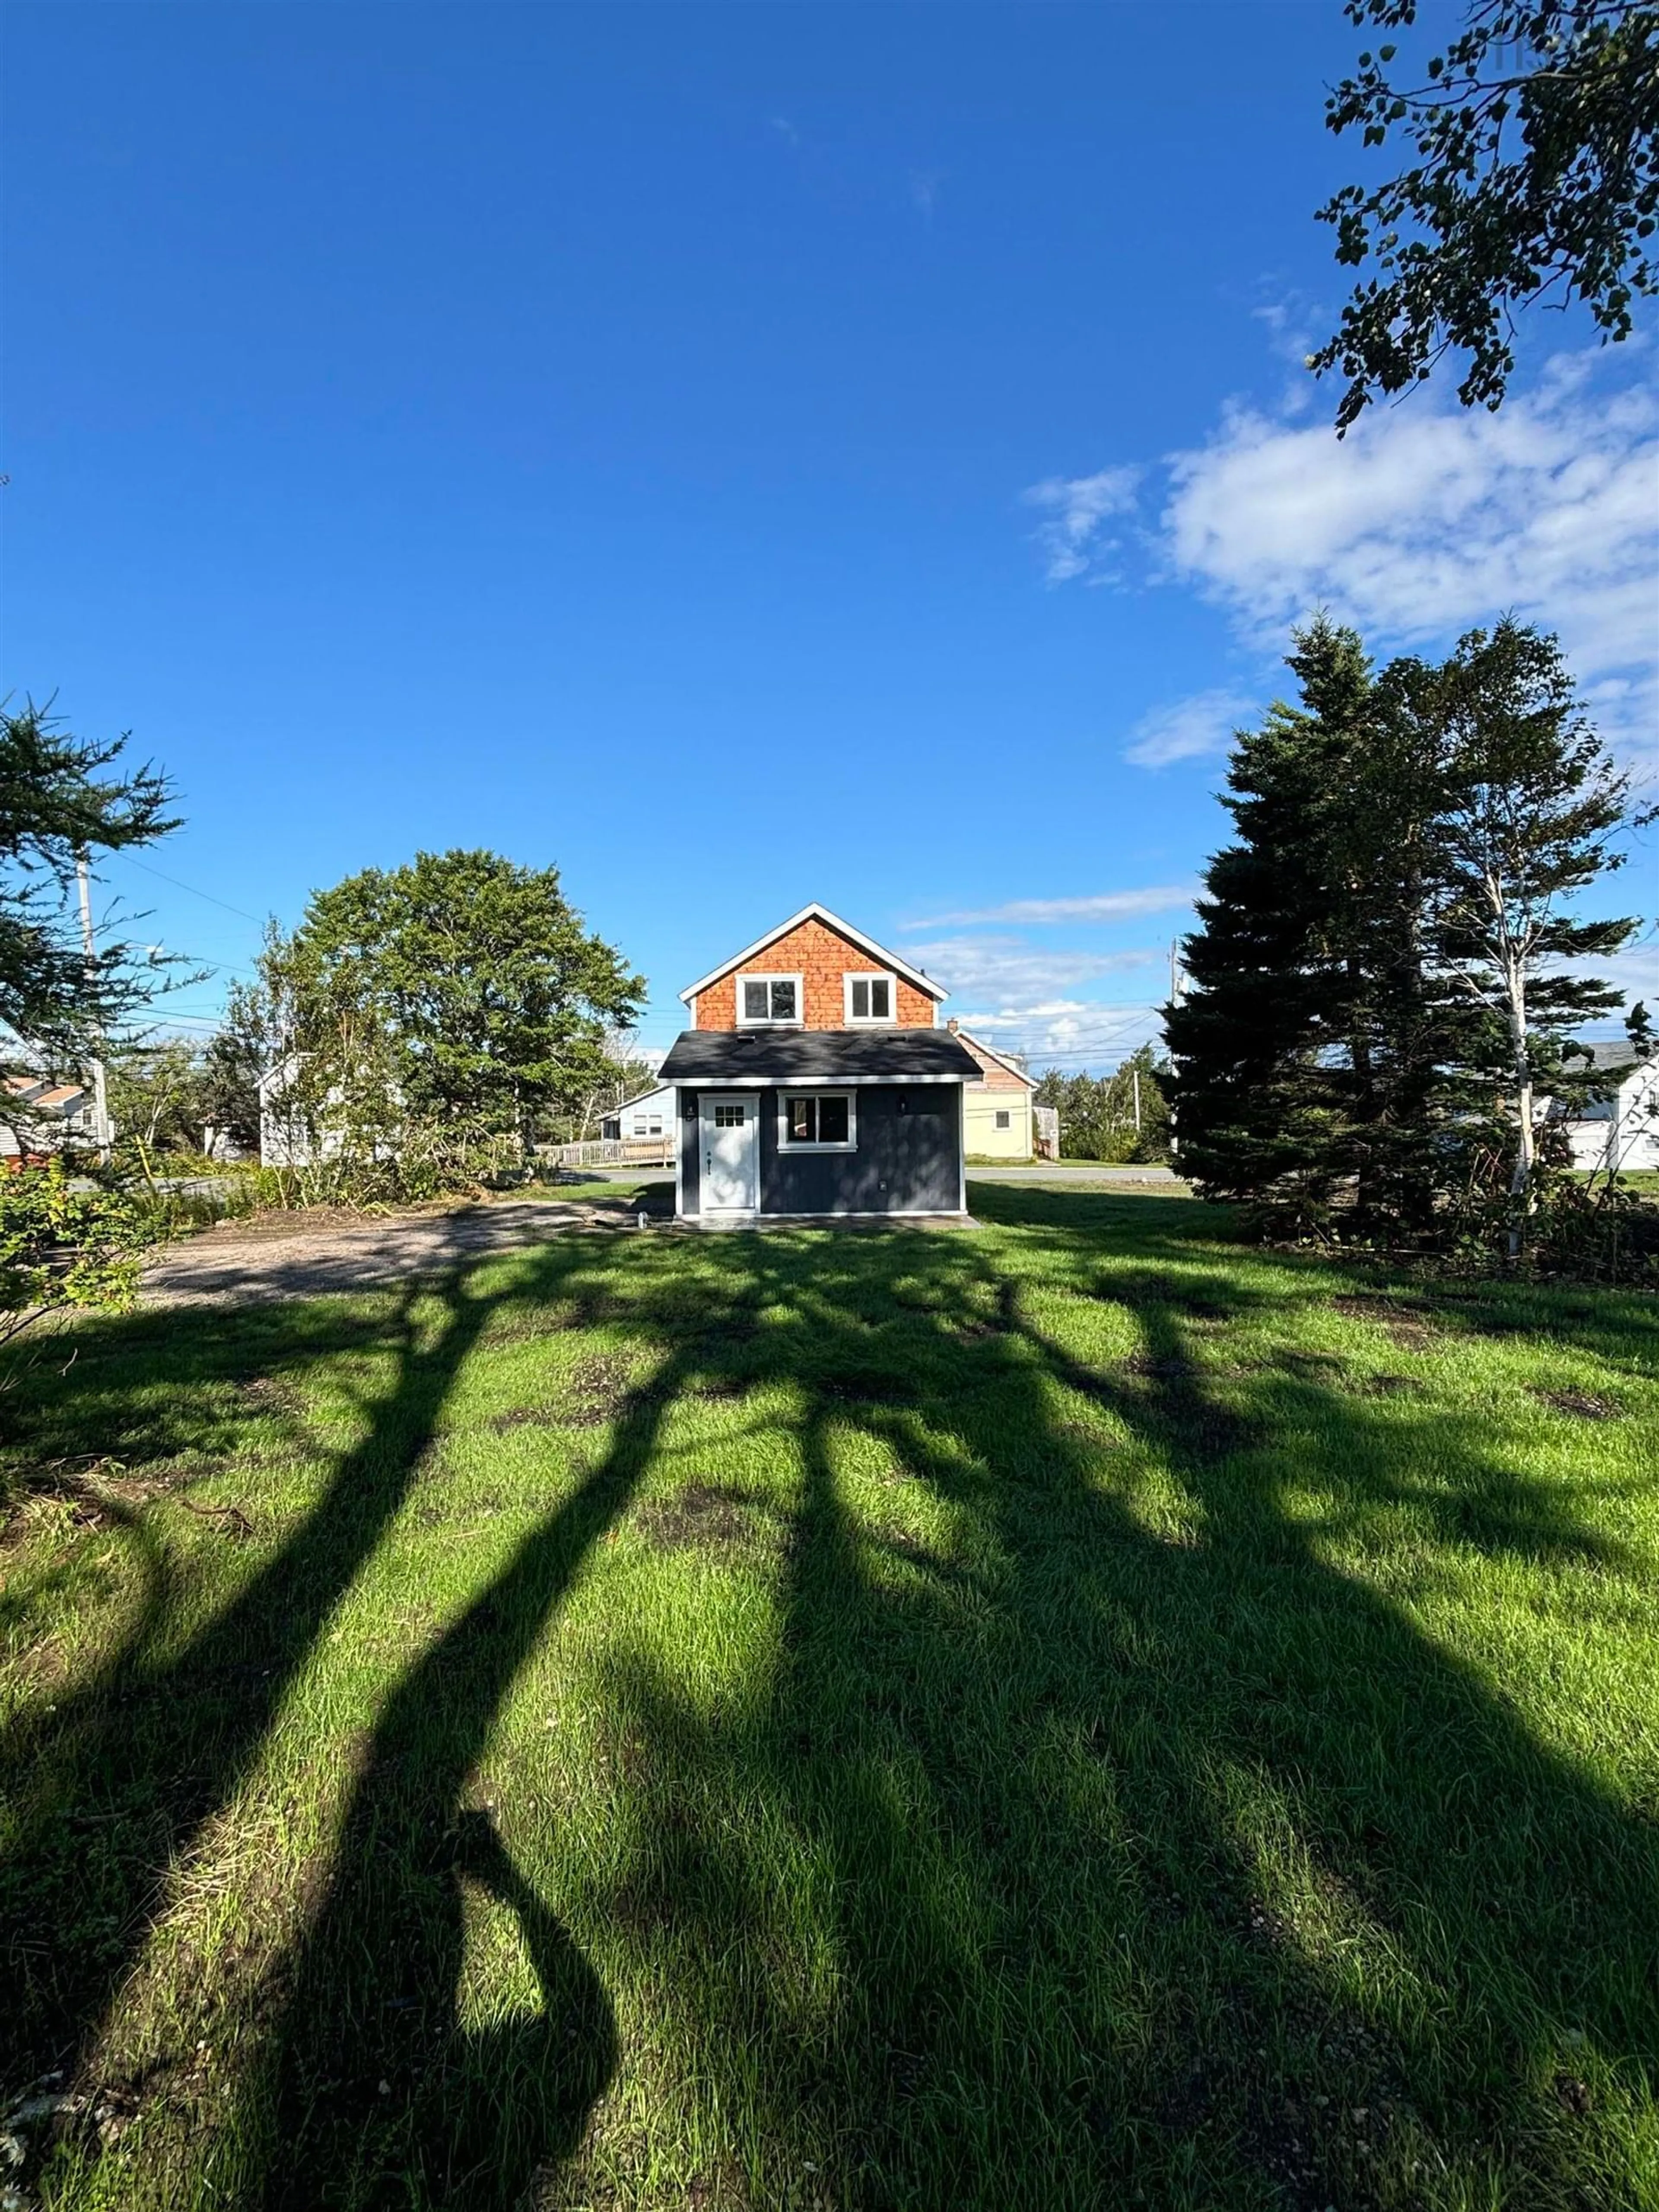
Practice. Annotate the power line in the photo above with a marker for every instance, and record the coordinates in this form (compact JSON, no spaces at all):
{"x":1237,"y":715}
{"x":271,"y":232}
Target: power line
{"x":179,"y":885}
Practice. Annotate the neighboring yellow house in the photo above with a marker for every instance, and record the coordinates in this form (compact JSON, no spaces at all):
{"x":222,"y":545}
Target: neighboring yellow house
{"x":997,"y":1109}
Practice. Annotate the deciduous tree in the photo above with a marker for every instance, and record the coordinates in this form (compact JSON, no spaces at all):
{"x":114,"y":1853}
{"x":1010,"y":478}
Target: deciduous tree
{"x":459,"y":995}
{"x":1533,"y":813}
{"x":1534,"y":173}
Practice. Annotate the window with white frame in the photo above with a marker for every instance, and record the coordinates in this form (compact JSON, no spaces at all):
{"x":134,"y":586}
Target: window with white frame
{"x":766,"y":998}
{"x":1003,"y":1121}
{"x":647,"y":1125}
{"x":870,"y":998}
{"x":817,"y":1122}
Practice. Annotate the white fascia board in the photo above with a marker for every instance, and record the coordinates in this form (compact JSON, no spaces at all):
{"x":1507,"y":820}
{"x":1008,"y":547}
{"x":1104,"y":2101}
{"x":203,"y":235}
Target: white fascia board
{"x":809,"y":1082}
{"x":816,"y":913}
{"x":1029,"y":1081}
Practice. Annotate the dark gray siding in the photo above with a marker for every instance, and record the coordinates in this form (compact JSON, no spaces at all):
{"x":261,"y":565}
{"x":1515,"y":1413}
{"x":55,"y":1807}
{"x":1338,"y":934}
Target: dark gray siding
{"x":691,"y":1137}
{"x":908,"y":1160}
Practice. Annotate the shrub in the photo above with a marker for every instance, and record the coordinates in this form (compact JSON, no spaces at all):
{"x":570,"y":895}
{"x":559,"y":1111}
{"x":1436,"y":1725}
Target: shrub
{"x":62,"y":1245}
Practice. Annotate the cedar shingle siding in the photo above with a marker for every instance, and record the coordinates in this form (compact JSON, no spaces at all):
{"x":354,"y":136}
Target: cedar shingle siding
{"x":823,"y":958}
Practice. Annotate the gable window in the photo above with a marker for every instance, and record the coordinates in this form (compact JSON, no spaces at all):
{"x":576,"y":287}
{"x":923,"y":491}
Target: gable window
{"x":816,"y":1121}
{"x":869,"y":998}
{"x":765,"y":998}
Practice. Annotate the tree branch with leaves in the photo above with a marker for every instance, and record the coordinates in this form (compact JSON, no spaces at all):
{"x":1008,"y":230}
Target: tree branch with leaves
{"x":1535,"y":177}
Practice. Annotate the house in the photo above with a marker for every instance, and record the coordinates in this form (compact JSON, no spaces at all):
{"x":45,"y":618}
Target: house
{"x":647,"y":1118}
{"x":997,"y":1110}
{"x":815,"y":1082}
{"x":1620,"y":1131}
{"x":285,"y":1140}
{"x":45,"y":1117}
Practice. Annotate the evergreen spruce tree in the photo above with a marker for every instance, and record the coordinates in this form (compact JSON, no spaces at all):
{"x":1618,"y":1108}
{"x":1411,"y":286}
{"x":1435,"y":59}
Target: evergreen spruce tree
{"x":1386,"y":978}
{"x":1406,"y":1024}
{"x":1263,"y":1084}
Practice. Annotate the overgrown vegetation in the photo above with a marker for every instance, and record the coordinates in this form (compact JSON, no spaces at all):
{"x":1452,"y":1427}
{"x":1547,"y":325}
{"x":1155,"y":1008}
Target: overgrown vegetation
{"x":1118,"y":1117}
{"x":63,"y":1246}
{"x":1391,"y":970}
{"x":1084,"y":1714}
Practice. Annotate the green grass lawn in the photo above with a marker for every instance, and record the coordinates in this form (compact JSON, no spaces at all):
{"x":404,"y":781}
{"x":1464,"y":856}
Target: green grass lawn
{"x":1077,"y":1714}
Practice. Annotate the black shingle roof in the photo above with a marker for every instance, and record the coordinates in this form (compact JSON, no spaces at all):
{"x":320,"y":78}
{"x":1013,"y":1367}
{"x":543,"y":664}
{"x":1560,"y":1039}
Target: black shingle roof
{"x":1605,"y":1054}
{"x":896,"y":1055}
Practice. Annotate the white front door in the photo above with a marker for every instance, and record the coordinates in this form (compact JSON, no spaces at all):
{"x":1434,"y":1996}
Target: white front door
{"x":731,"y":1133}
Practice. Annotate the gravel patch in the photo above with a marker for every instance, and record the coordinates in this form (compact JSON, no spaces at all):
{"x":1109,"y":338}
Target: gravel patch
{"x":302,"y":1255}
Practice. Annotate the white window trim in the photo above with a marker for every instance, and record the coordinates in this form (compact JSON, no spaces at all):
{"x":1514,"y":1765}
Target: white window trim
{"x":887,"y":1021}
{"x":787,"y":1143}
{"x":768,"y":976}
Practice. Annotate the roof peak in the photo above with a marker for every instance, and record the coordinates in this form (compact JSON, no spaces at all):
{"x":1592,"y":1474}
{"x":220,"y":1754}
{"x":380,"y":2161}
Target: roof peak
{"x":817,"y":912}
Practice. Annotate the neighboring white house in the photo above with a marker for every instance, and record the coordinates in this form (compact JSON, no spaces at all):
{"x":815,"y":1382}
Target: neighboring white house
{"x":1622,"y":1130}
{"x":997,"y":1117}
{"x":49,"y":1117}
{"x":286,"y":1139}
{"x":647,"y":1117}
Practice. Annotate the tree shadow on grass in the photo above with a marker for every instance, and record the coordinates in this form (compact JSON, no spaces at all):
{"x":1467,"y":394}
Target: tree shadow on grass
{"x":1185,"y":1867}
{"x":1083,"y":1844}
{"x":111,"y":1787}
{"x":367,"y":2079}
{"x":375,"y":2071}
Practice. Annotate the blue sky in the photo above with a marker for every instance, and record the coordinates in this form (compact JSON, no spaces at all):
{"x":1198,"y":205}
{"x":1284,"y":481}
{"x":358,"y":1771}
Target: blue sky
{"x":741,"y":455}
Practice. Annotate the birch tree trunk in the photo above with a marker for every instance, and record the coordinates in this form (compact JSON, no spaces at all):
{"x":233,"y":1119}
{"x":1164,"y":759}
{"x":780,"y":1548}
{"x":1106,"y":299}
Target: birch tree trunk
{"x":1515,"y":981}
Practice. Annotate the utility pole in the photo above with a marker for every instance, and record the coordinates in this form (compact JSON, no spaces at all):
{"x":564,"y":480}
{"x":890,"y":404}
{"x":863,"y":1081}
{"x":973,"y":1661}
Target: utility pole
{"x":1176,"y":987}
{"x":100,"y":1088}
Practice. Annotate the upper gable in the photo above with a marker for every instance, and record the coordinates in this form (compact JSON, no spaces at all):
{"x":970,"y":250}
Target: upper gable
{"x":996,"y":1073}
{"x":823,"y":957}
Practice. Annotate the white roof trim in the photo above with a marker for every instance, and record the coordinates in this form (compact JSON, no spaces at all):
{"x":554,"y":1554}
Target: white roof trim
{"x":816,"y":913}
{"x":991,"y":1053}
{"x":638,"y":1099}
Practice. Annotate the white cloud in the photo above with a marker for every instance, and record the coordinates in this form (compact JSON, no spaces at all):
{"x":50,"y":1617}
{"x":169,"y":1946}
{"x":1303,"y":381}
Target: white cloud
{"x":1093,"y":905}
{"x":1426,"y":520}
{"x":1016,"y":974}
{"x":1077,"y":507}
{"x":1202,"y":724}
{"x":1634,"y":972}
{"x":1068,"y":1033}
{"x":1025,"y":999}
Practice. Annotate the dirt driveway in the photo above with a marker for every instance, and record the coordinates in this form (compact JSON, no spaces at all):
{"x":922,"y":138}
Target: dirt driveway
{"x":296,"y":1255}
